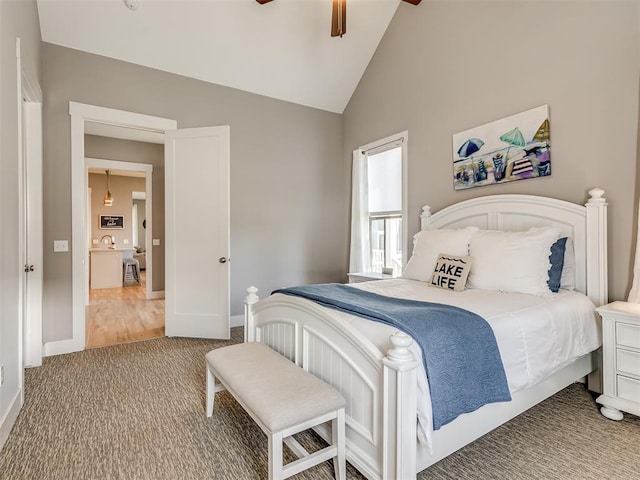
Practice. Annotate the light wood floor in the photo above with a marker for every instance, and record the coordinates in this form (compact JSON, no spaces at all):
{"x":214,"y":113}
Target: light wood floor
{"x":121,"y":315}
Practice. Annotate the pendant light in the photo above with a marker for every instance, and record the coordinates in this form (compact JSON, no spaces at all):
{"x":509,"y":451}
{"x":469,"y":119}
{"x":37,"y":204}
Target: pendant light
{"x":108,"y":198}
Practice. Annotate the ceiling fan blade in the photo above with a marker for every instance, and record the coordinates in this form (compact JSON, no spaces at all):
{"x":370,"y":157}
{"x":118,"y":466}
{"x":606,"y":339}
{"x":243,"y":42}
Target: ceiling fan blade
{"x":412,"y":2}
{"x":262,"y":2}
{"x":339,"y":18}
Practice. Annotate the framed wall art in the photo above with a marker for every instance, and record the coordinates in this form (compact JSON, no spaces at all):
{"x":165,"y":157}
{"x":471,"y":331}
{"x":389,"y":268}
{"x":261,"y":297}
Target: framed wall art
{"x":512,"y":148}
{"x":109,"y":222}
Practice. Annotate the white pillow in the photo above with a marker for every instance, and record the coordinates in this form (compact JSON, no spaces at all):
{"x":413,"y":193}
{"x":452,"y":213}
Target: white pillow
{"x":515,"y":262}
{"x":427,"y":246}
{"x":568,"y":278}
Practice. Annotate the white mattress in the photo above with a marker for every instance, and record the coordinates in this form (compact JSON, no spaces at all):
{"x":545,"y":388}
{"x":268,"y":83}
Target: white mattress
{"x":536,"y":335}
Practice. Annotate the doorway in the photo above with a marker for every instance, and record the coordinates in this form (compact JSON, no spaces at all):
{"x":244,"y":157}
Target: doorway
{"x":81,"y":115}
{"x":195,"y":160}
{"x":122,"y":306}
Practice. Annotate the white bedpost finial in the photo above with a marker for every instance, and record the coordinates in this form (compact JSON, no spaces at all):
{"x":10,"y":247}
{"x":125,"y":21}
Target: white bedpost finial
{"x":399,"y":351}
{"x":596,"y":195}
{"x":596,"y":247}
{"x":249,"y":325}
{"x":252,"y":296}
{"x":424,"y":216}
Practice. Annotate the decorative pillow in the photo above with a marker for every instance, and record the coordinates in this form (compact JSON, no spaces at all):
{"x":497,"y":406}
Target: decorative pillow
{"x":515,"y":262}
{"x":427,"y":246}
{"x":451,"y":272}
{"x":557,"y":262}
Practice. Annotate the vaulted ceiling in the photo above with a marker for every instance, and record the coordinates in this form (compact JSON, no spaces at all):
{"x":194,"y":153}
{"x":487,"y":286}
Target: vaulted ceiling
{"x":282,"y":49}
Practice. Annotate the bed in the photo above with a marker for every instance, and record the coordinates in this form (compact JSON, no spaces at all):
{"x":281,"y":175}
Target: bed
{"x":382,"y":385}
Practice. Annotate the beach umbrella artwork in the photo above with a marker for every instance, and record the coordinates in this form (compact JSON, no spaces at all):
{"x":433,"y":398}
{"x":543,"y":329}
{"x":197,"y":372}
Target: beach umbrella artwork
{"x":513,"y":138}
{"x":542,"y":135}
{"x":467,"y":150}
{"x":470,"y":147}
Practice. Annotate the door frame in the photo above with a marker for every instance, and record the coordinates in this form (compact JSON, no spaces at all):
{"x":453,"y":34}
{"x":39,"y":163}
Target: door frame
{"x":29,"y":96}
{"x":148,"y":234}
{"x":80,"y":113}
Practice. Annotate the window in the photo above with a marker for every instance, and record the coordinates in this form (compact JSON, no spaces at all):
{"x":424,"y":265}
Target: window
{"x":378,"y":205}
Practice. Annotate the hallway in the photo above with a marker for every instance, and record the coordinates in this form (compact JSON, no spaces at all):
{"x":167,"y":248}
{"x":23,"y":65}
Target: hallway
{"x":122,"y":315}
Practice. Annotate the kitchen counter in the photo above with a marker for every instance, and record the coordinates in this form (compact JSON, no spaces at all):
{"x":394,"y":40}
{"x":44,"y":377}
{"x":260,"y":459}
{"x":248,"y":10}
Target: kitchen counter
{"x":106,"y":267}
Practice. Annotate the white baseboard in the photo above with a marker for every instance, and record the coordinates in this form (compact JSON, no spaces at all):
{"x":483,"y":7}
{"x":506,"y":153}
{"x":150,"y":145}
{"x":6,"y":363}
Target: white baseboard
{"x":10,"y":418}
{"x":236,"y":320}
{"x":156,"y":294}
{"x":61,"y":346}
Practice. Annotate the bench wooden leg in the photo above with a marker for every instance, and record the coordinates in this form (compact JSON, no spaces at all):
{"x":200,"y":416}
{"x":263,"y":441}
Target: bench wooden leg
{"x":275,"y":456}
{"x":211,"y":391}
{"x":338,"y":439}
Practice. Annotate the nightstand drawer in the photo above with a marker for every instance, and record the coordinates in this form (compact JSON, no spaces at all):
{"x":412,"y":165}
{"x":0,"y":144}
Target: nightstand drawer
{"x":628,"y":362}
{"x":627,"y":335}
{"x":628,"y":388}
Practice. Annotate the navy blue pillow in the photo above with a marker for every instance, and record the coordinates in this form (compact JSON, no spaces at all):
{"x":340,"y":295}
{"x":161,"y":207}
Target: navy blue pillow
{"x":557,"y":262}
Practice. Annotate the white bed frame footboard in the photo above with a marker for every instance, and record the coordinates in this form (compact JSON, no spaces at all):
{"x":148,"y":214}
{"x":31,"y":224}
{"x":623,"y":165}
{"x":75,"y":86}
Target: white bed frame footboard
{"x":381,"y":389}
{"x":380,"y":392}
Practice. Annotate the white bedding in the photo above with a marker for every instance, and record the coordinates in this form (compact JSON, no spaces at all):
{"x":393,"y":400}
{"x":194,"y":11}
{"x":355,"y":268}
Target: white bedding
{"x":536,"y":335}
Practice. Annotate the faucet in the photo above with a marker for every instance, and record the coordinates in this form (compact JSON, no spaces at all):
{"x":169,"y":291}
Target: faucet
{"x":112,"y":240}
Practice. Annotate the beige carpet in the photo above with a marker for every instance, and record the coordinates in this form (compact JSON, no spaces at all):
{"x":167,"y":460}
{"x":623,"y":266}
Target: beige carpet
{"x":136,"y":411}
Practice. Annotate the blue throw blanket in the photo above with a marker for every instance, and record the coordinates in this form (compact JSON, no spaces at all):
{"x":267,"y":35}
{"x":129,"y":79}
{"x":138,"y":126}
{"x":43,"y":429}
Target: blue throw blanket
{"x":459,"y":349}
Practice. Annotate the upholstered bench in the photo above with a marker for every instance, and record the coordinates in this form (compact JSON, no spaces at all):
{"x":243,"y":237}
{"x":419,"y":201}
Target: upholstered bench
{"x":283,"y":399}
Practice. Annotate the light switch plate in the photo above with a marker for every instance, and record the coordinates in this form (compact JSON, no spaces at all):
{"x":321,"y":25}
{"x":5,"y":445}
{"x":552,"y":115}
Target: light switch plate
{"x":125,"y":241}
{"x":61,"y":245}
{"x":156,"y":242}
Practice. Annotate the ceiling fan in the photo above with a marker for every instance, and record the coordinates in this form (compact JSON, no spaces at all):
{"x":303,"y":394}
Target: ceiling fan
{"x":339,"y":15}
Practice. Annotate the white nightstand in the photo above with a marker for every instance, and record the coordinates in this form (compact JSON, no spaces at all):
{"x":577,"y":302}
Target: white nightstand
{"x":367,"y":276}
{"x":620,"y":359}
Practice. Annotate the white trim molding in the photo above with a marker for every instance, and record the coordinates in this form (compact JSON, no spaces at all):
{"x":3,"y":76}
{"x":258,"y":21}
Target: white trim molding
{"x":80,"y":113}
{"x":10,"y":417}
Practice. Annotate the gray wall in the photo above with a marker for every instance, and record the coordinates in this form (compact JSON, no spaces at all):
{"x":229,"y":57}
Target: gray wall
{"x":445,"y":67}
{"x":288,"y":221}
{"x":139,"y":152}
{"x":17,"y":19}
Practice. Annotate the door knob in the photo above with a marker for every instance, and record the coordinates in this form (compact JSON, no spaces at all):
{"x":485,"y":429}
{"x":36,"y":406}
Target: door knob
{"x":222,"y":260}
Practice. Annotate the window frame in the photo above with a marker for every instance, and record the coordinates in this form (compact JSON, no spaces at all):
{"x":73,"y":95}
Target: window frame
{"x":386,"y":217}
{"x":397,"y":140}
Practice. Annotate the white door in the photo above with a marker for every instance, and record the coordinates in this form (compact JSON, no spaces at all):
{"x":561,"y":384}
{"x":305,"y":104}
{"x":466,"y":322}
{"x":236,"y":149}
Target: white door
{"x":197,"y":232}
{"x":31,"y":226}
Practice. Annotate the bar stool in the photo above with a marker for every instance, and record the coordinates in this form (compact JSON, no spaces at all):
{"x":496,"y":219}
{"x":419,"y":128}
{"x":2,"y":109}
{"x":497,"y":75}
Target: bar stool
{"x":133,"y":265}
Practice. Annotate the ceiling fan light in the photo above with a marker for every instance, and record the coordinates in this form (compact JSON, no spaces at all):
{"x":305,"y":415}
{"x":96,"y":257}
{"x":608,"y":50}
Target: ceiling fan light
{"x":339,"y":15}
{"x":339,"y":18}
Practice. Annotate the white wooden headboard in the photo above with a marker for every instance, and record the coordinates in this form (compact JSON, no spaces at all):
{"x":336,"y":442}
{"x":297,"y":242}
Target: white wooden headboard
{"x":586,"y":225}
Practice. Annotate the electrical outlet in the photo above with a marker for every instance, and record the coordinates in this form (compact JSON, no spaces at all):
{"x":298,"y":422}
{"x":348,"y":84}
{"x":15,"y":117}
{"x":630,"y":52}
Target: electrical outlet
{"x":1,"y":375}
{"x":156,"y":242}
